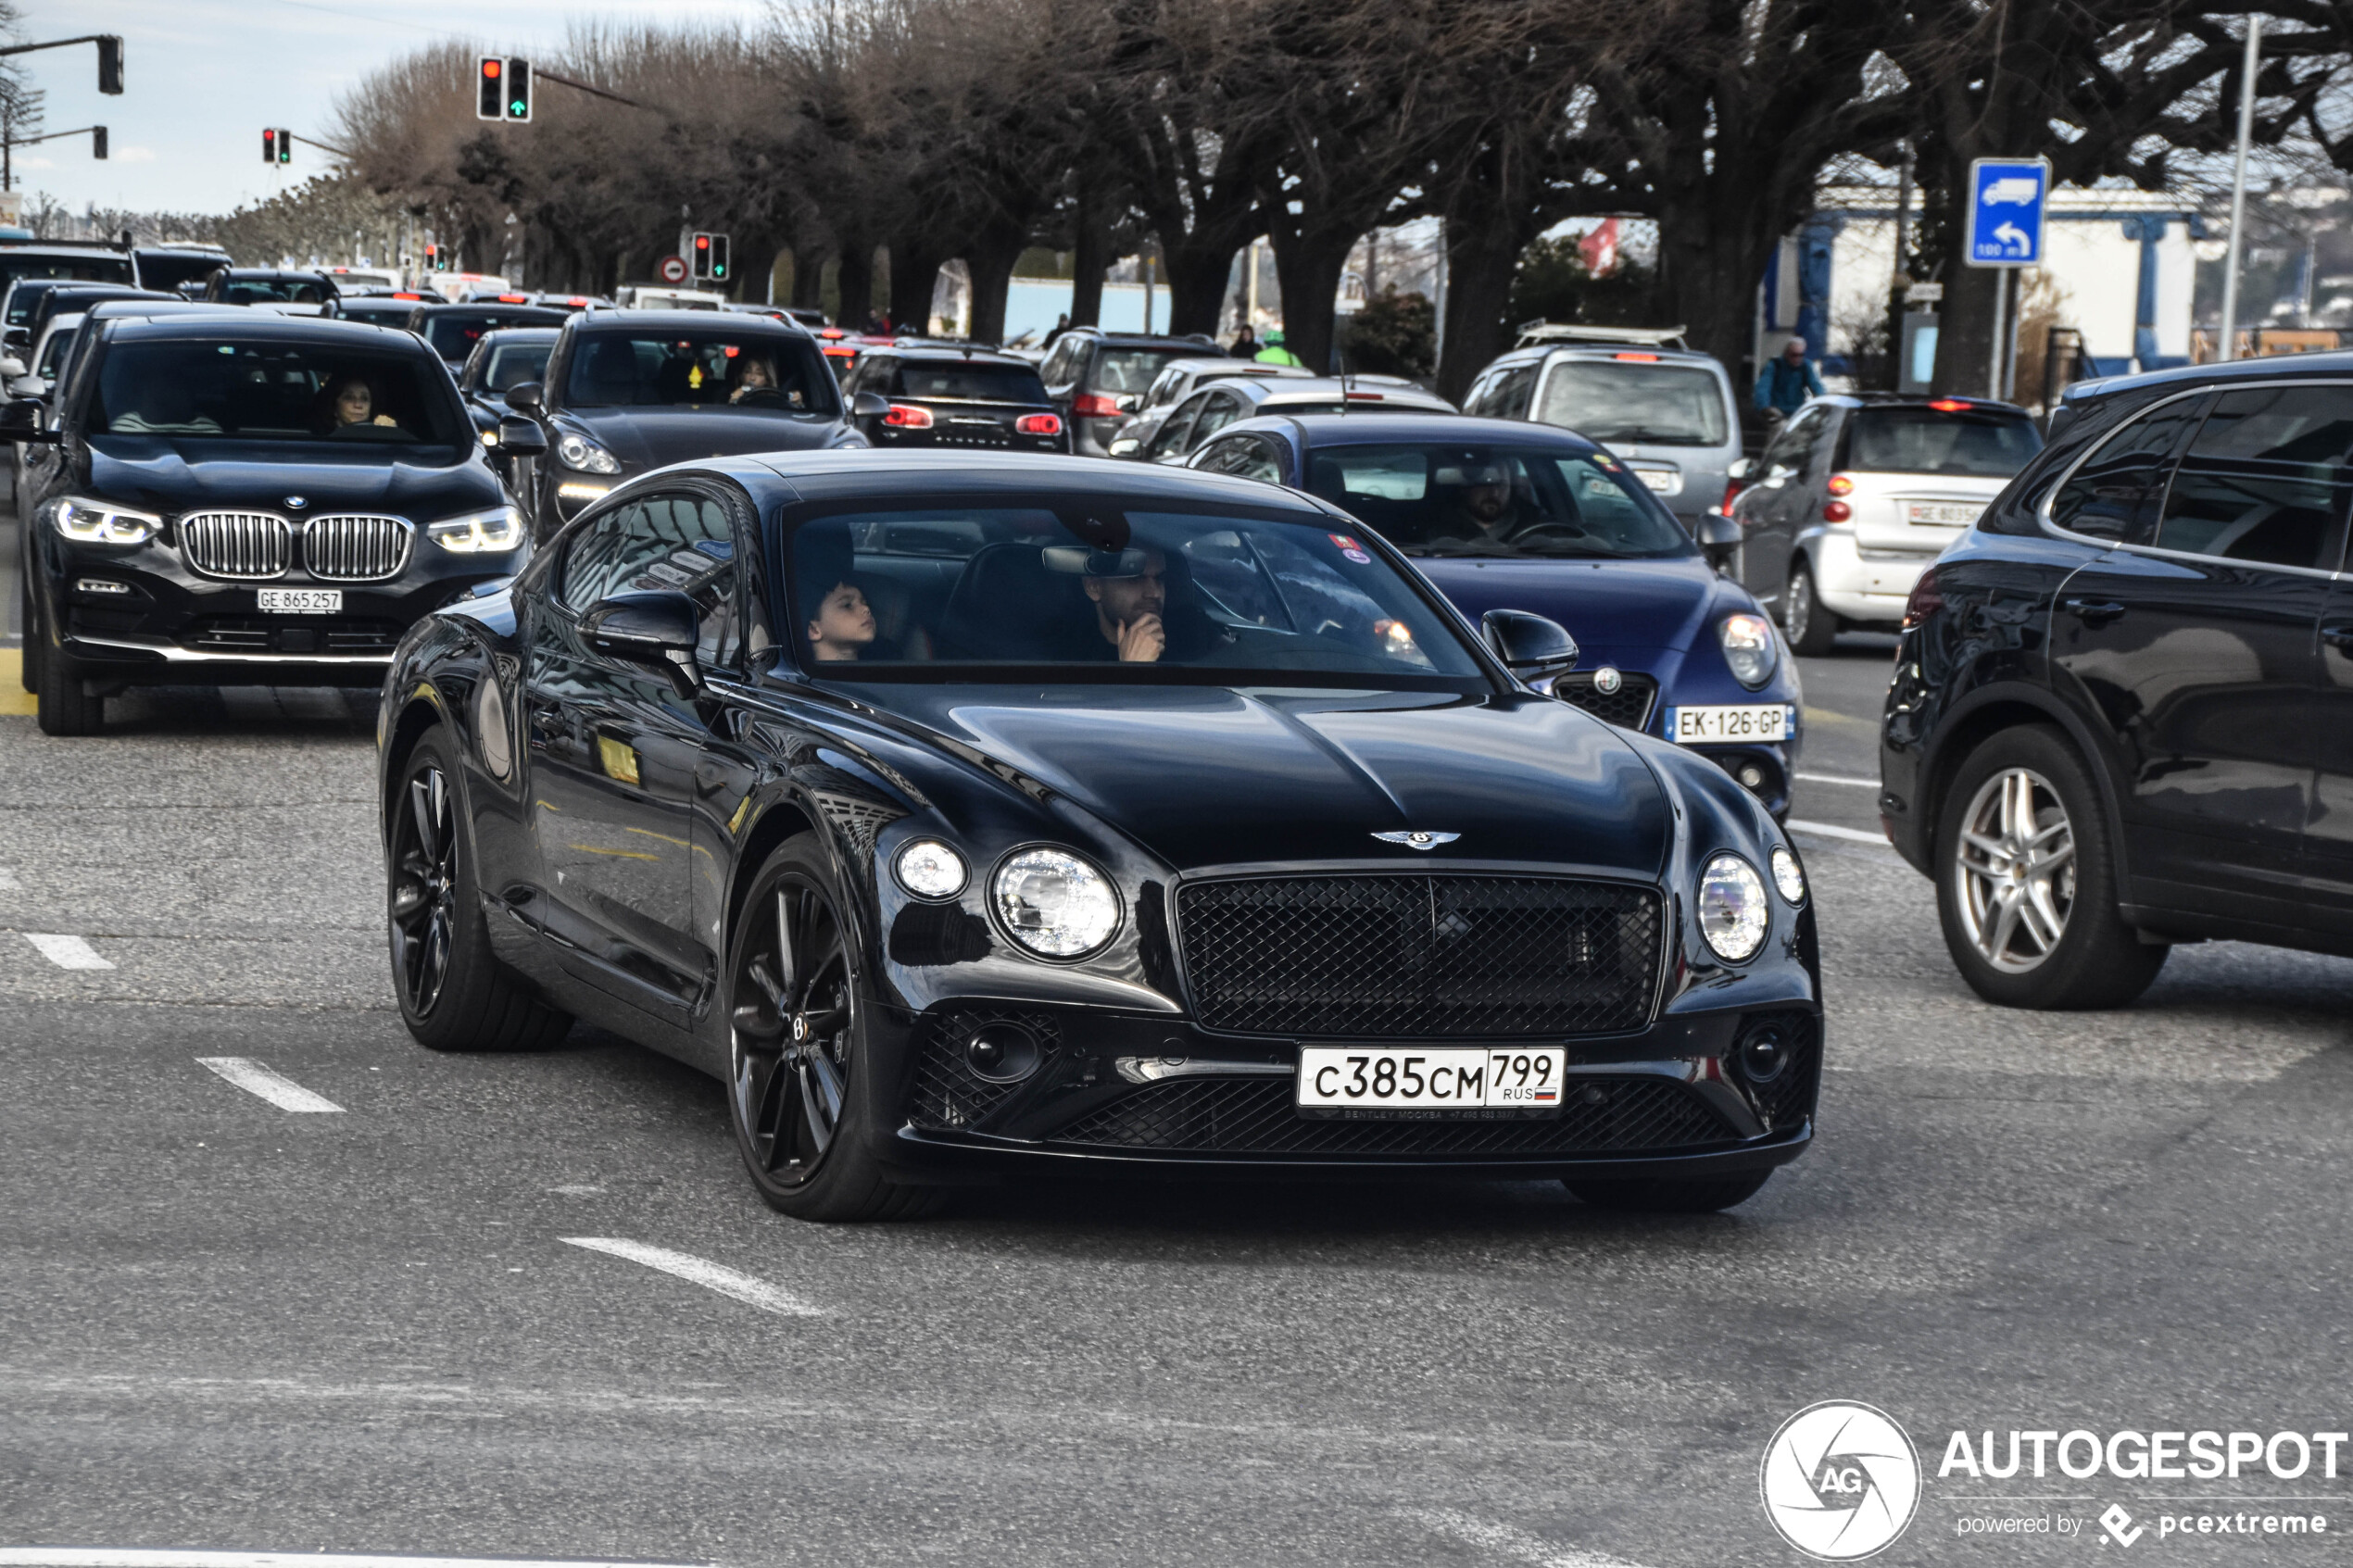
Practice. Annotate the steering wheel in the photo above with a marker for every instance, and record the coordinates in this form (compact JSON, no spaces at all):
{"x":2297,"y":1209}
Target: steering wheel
{"x":1570,"y":529}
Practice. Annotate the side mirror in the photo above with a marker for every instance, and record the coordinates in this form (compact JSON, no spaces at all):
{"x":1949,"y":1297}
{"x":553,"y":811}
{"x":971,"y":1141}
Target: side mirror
{"x":20,"y":420}
{"x":1131,"y":402}
{"x":1530,"y":646}
{"x":1740,"y":470}
{"x":656,"y":628}
{"x":518,"y":437}
{"x":1122,"y":447}
{"x":868,"y":405}
{"x":17,"y":341}
{"x":11,"y":368}
{"x":528,"y":395}
{"x":1719,"y":539}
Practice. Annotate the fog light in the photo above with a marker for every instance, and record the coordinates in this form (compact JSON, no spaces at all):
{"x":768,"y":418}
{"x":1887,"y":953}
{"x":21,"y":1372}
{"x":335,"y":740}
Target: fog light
{"x":1764,"y":1055}
{"x":1003,"y":1053}
{"x":1752,"y":775}
{"x":100,"y":585}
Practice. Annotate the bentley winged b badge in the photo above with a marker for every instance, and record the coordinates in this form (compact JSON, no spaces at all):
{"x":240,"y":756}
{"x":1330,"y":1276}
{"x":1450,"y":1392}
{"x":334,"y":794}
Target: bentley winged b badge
{"x":1419,"y":840}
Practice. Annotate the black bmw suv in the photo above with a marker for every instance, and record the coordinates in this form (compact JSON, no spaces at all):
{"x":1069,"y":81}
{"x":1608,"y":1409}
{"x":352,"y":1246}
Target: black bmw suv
{"x":242,"y":499}
{"x":951,"y":395}
{"x":2114,"y":722}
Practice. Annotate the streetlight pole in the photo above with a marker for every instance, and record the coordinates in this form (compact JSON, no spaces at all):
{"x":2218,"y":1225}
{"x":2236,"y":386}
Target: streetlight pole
{"x":2238,"y":191}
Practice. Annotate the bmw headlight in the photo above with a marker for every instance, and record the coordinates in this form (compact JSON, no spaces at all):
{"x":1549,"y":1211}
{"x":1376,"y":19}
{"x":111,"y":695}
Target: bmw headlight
{"x":930,"y":869}
{"x":576,"y":451}
{"x":1055,"y":904}
{"x":1733,"y":916}
{"x":479,"y":533}
{"x":1788,"y":875}
{"x":98,"y":522}
{"x":1749,"y":648}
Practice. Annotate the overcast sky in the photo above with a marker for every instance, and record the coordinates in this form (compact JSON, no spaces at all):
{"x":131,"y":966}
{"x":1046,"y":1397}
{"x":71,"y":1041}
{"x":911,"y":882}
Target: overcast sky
{"x":203,"y":78}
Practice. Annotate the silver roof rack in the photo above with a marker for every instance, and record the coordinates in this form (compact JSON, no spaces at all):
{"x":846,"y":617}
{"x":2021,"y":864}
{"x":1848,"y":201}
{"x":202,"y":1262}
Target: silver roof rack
{"x":1533,"y":332}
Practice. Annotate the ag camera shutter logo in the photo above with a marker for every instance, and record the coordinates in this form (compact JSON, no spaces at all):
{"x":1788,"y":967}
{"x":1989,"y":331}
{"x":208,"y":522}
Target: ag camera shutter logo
{"x":1840,"y":1480}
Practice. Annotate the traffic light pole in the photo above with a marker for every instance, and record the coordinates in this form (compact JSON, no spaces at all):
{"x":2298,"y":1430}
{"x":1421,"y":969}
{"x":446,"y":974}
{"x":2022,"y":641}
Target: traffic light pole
{"x":546,"y":75}
{"x":8,"y":145}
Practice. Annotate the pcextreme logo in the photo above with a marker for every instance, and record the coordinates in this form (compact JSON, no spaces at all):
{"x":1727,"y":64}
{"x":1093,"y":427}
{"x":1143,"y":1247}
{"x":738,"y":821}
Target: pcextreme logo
{"x":1840,"y":1480}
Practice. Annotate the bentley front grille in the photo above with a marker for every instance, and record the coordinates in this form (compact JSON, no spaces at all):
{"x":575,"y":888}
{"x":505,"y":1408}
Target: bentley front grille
{"x":1382,"y":956}
{"x":357,"y":548}
{"x":245,"y":545}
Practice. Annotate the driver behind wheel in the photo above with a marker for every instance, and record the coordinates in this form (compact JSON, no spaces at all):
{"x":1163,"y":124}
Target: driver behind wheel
{"x":1481,"y":499}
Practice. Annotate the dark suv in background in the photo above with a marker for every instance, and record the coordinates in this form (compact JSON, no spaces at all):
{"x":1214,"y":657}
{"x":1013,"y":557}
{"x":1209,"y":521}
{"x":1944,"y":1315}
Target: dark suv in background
{"x":1098,"y":379}
{"x":952,"y":394}
{"x":2120,"y":712}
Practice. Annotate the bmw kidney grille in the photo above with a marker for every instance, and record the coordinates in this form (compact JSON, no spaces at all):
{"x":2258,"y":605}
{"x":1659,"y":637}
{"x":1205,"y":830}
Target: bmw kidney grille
{"x":344,"y":548}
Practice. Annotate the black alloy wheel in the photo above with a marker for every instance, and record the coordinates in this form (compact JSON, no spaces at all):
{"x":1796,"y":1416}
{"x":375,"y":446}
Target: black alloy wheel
{"x":1811,"y":628}
{"x":455,"y":995}
{"x":800,"y":1093}
{"x":1694,"y":1195}
{"x":62,"y":699}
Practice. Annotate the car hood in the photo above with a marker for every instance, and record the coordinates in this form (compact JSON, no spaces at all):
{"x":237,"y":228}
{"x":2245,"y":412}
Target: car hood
{"x":1207,"y":777}
{"x":160,"y":474}
{"x":648,"y":438}
{"x":1605,"y":604}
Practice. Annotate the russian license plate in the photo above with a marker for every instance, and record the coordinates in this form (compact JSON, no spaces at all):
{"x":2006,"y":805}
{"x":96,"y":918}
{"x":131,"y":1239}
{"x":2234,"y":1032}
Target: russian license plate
{"x":301,"y":601}
{"x":1942,"y":514}
{"x":1705,"y":726}
{"x":1665,"y":480}
{"x":1408,"y":1082}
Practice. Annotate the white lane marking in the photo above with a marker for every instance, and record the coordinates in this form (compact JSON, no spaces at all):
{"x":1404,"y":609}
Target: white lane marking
{"x":256,"y":1079}
{"x":1503,"y":1540}
{"x":65,"y":952}
{"x":700,"y":1271}
{"x":109,"y":1557}
{"x":1838,"y":779}
{"x":1851,"y":835}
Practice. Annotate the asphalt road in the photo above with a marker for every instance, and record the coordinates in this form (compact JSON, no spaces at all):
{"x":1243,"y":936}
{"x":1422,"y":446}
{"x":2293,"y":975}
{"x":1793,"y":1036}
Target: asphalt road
{"x":227,"y":1324}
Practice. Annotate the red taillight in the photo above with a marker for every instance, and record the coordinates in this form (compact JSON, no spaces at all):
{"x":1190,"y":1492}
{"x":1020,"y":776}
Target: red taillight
{"x":1836,"y":512}
{"x":1733,"y":488}
{"x":514,"y":300}
{"x":1951,"y":406}
{"x":1840,"y":485}
{"x":1638,"y":359}
{"x":1364,"y":397}
{"x":1039,"y":424}
{"x":905,"y":416}
{"x":1925,"y":600}
{"x":1095,"y":406}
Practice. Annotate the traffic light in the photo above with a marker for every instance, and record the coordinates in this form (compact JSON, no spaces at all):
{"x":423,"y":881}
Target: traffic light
{"x":491,"y":102}
{"x":269,"y":146}
{"x":698,"y":257}
{"x":98,"y":143}
{"x":519,"y":91}
{"x":718,"y":259}
{"x":285,"y":145}
{"x":109,"y":64}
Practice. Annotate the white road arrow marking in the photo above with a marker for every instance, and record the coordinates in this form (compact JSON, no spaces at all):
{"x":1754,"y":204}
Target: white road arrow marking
{"x":278,"y":1089}
{"x":701,"y":1270}
{"x":67,"y":952}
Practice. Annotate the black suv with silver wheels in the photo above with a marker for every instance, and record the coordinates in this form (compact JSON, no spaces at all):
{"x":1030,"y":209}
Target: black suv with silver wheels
{"x":2111,"y":725}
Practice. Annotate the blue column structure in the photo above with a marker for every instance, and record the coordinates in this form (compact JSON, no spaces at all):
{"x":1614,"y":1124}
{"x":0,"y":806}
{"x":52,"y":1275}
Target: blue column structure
{"x":1814,"y":247}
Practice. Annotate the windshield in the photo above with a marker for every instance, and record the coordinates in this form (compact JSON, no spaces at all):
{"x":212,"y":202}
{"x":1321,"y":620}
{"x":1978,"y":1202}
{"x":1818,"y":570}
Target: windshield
{"x":54,"y":354}
{"x":1132,"y":369}
{"x":453,"y":333}
{"x":98,"y":269}
{"x":1966,"y":442}
{"x":377,"y":312}
{"x":1086,"y":584}
{"x":165,"y":271}
{"x":229,"y":388}
{"x":974,"y":384}
{"x":694,"y":369}
{"x":512,"y":364}
{"x":1636,"y":403}
{"x":277,"y":291}
{"x":1452,"y":499}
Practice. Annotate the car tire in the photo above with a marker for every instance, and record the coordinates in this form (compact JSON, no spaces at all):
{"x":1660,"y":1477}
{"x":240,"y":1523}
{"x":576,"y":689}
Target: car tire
{"x":1694,"y":1195}
{"x":454,"y":994}
{"x":2026,"y":880}
{"x":802,"y":1095}
{"x":1811,"y":628}
{"x":62,"y":701}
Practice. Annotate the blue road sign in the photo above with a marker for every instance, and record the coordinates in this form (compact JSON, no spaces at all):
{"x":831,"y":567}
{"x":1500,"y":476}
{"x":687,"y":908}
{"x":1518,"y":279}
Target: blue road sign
{"x":2007,"y":196}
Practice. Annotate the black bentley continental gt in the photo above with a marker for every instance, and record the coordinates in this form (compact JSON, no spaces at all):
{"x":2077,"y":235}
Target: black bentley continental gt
{"x":971,"y":813}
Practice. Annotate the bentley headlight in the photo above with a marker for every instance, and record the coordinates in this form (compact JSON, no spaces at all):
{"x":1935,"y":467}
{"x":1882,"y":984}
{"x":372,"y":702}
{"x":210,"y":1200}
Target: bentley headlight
{"x":1749,"y":648}
{"x":1733,"y":916}
{"x":98,"y":522}
{"x":928,"y":868}
{"x":575,"y":451}
{"x":479,"y":533}
{"x":1055,"y":904}
{"x":1788,"y":875}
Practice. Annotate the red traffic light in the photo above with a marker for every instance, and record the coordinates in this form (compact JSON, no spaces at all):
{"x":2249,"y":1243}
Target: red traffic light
{"x":490,"y":68}
{"x":703,"y":242}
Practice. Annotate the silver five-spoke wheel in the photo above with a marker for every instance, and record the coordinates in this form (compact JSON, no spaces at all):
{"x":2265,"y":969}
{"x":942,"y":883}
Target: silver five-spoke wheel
{"x":2014,"y":870}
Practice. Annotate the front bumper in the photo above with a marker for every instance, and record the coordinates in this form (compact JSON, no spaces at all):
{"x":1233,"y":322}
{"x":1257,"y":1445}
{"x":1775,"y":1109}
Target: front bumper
{"x":1149,"y":1093}
{"x":171,"y":626}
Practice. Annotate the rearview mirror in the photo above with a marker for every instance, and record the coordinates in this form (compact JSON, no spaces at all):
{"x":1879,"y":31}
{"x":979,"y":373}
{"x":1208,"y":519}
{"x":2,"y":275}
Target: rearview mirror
{"x":518,"y":437}
{"x":868,"y":405}
{"x":1530,"y":646}
{"x":656,"y":628}
{"x":528,"y":395}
